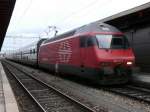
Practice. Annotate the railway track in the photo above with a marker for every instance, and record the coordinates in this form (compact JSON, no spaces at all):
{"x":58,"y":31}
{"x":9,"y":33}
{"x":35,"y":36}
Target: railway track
{"x":48,"y":98}
{"x":138,"y":93}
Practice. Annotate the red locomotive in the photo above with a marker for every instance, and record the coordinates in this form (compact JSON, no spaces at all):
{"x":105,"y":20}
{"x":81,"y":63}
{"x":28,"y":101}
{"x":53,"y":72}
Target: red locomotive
{"x":96,"y":51}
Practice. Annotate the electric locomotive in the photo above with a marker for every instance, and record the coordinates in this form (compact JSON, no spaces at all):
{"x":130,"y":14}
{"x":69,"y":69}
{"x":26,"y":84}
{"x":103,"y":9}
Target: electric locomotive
{"x":96,"y":51}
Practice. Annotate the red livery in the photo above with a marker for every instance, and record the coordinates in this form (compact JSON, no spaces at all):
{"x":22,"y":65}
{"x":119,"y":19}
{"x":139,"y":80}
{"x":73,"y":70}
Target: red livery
{"x":96,"y":51}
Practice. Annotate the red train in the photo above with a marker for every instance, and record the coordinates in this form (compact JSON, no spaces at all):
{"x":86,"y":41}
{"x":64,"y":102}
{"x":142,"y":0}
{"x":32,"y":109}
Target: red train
{"x":96,"y":51}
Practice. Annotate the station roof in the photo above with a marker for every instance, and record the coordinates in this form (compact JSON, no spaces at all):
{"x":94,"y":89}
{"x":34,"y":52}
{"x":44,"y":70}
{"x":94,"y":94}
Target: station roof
{"x":6,"y":9}
{"x":130,"y":18}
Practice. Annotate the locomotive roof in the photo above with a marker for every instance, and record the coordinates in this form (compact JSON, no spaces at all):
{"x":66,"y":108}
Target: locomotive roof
{"x":96,"y":27}
{"x":92,"y":27}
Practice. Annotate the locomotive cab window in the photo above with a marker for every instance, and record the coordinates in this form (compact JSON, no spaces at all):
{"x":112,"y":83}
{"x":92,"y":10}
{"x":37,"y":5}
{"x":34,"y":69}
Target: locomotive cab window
{"x":112,"y":41}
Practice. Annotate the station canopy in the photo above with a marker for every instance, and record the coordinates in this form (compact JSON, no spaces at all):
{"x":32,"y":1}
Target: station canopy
{"x":6,"y":9}
{"x":135,"y":17}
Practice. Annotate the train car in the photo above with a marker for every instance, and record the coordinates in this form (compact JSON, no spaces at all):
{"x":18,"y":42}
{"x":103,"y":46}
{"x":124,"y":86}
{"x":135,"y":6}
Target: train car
{"x":96,"y":51}
{"x":27,"y":55}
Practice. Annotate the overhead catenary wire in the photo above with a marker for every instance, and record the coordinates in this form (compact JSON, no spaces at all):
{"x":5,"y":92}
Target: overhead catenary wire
{"x":71,"y":14}
{"x":82,"y":10}
{"x":25,"y":11}
{"x":27,"y":8}
{"x":79,"y":11}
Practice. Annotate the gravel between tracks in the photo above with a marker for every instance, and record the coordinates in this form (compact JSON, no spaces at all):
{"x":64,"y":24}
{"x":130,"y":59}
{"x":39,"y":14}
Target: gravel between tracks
{"x":91,"y":94}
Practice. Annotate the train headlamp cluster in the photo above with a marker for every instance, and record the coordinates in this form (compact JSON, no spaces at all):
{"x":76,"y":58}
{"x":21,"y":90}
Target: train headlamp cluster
{"x":129,"y":62}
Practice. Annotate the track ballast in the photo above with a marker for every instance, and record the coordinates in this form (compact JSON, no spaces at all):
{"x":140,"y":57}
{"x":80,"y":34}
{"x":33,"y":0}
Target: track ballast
{"x":48,"y":98}
{"x":135,"y":92}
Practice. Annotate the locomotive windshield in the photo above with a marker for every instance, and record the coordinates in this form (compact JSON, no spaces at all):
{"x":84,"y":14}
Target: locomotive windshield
{"x":112,"y":41}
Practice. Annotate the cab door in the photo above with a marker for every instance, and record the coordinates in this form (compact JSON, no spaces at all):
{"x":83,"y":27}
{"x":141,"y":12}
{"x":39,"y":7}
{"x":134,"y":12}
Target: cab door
{"x":87,"y":51}
{"x":83,"y":45}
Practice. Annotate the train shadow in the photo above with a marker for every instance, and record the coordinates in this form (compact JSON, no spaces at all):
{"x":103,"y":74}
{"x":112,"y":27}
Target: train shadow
{"x":76,"y":79}
{"x":87,"y":82}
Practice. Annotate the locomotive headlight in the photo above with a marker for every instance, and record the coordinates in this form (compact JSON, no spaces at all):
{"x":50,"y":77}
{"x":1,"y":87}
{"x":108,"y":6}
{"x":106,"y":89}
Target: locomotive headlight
{"x":129,"y":62}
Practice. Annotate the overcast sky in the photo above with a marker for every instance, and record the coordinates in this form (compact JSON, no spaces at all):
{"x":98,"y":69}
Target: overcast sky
{"x":32,"y":17}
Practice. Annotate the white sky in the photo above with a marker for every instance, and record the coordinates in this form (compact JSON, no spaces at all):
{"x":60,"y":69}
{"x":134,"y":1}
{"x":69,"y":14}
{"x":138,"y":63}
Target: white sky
{"x":32,"y":17}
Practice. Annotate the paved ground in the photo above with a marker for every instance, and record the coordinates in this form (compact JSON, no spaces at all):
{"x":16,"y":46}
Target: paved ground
{"x":142,"y":77}
{"x":2,"y":101}
{"x":7,"y":99}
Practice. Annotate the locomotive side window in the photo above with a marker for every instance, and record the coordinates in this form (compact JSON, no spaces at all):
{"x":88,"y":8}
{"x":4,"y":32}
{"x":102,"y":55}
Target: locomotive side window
{"x":91,"y":42}
{"x":87,"y":41}
{"x":83,"y":41}
{"x":118,"y":42}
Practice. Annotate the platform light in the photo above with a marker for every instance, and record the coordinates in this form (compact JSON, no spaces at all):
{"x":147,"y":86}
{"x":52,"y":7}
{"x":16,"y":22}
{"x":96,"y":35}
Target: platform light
{"x":129,"y":63}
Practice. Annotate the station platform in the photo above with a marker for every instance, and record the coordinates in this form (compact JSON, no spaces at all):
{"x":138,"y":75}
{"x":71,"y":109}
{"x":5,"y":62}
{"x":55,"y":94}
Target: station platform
{"x":141,"y":78}
{"x":7,"y":99}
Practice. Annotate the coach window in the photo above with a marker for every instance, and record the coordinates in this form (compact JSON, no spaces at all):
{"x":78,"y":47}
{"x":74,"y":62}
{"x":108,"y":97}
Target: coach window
{"x":33,"y":51}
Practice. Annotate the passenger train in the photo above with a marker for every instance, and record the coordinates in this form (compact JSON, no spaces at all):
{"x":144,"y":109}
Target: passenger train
{"x":96,"y":51}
